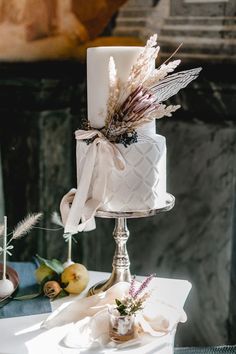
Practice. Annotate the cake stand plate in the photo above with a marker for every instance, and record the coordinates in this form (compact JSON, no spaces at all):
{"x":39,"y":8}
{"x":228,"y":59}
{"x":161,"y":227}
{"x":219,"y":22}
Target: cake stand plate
{"x":121,"y":263}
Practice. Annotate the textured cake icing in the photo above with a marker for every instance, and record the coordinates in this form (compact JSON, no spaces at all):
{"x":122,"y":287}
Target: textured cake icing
{"x":121,"y":161}
{"x":142,"y":184}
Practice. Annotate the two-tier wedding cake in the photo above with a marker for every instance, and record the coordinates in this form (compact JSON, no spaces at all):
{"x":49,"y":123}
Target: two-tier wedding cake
{"x":121,"y":161}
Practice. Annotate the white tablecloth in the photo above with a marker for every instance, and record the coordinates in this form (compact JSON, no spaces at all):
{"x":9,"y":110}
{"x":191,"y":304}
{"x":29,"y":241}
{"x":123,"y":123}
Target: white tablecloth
{"x":23,"y":335}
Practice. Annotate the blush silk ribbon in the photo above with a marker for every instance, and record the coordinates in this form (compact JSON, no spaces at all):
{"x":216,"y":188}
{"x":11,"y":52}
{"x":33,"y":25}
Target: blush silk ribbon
{"x":80,"y":215}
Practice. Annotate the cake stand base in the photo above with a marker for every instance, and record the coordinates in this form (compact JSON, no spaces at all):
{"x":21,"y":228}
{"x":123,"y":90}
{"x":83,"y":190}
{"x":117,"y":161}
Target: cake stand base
{"x":121,"y":263}
{"x":106,"y":284}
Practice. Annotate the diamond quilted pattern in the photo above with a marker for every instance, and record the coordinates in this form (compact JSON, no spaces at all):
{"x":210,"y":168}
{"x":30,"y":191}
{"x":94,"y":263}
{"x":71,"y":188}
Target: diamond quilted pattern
{"x":142,"y":185}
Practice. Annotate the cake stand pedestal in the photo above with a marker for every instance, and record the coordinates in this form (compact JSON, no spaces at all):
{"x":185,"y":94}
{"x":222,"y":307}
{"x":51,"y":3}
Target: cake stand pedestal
{"x":121,"y":263}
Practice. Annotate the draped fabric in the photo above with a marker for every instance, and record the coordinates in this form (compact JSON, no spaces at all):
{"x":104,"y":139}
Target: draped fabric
{"x":80,"y":215}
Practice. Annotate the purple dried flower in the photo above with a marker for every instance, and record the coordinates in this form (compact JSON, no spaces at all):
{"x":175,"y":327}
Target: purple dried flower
{"x":143,"y":286}
{"x":134,"y":301}
{"x":132,"y":287}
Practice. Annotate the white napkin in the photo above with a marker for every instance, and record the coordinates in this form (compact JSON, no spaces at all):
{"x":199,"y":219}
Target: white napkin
{"x":91,"y":322}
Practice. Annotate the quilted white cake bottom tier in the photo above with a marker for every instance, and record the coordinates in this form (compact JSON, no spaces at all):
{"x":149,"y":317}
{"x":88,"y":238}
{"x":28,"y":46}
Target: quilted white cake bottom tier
{"x":141,"y":185}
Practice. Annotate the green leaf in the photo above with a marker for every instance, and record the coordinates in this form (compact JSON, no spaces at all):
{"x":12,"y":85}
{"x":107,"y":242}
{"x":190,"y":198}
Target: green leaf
{"x":26,"y":297}
{"x":53,"y":264}
{"x":123,"y":312}
{"x":118,"y":302}
{"x":121,"y":307}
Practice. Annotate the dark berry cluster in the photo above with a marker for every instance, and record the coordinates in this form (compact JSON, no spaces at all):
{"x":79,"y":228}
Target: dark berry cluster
{"x":85,"y":124}
{"x":127,"y":138}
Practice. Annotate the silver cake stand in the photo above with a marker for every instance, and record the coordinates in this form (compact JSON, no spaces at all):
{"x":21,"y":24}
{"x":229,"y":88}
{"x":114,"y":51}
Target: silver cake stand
{"x":121,"y":263}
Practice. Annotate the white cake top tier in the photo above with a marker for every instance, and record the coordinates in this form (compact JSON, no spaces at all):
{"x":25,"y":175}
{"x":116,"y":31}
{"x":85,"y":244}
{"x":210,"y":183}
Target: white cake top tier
{"x":98,"y":78}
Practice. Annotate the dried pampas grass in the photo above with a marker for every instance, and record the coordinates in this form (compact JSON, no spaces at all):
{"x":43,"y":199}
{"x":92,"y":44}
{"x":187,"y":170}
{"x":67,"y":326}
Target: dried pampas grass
{"x":161,"y":73}
{"x":56,"y":219}
{"x":143,"y":66}
{"x":165,"y":111}
{"x":24,"y":226}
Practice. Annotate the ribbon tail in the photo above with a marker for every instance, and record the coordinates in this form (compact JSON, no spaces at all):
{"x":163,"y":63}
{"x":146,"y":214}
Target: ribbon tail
{"x":87,"y":225}
{"x":88,"y":219}
{"x":65,"y":204}
{"x":99,"y":188}
{"x":80,"y":217}
{"x":81,"y":195}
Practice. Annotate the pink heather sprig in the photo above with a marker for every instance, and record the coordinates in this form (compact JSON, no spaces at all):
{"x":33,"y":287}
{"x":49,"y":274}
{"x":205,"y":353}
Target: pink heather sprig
{"x":143,"y":286}
{"x":135,"y":300}
{"x":132,"y":287}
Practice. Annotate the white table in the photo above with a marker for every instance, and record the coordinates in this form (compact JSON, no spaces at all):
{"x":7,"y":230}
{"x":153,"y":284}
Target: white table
{"x":23,"y":335}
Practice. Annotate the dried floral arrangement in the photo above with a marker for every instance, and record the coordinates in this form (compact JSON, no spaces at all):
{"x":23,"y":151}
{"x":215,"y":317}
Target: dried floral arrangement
{"x":140,"y":100}
{"x":135,"y":299}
